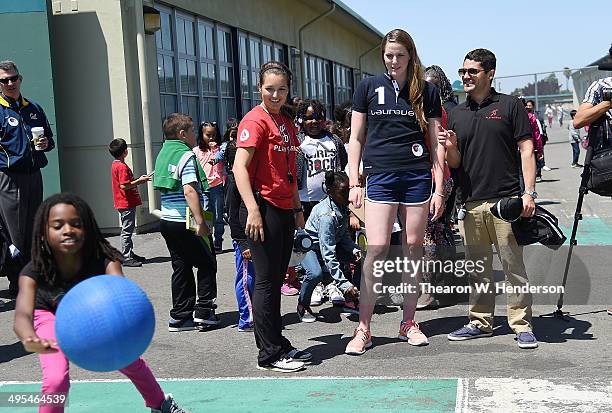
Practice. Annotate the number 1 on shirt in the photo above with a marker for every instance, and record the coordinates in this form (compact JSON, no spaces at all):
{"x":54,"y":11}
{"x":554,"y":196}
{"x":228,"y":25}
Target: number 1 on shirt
{"x":381,"y":95}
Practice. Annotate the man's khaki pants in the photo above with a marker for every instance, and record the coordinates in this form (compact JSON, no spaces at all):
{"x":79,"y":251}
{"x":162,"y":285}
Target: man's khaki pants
{"x":479,"y":230}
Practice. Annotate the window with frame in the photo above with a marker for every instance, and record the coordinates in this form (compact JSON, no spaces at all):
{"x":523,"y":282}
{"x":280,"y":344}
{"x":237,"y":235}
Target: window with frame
{"x":187,"y":62}
{"x":165,"y":64}
{"x":195,"y":67}
{"x":318,"y":81}
{"x":343,"y":83}
{"x":253,"y":51}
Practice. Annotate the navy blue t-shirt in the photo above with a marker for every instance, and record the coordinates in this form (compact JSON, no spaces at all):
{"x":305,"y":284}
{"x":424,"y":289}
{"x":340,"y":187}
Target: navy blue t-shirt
{"x":395,"y":140}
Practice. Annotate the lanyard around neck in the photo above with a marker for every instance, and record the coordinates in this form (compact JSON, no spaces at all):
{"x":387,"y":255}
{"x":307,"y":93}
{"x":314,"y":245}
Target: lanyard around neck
{"x":286,"y":141}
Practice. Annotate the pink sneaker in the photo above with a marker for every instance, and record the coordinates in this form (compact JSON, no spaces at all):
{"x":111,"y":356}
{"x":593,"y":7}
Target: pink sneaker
{"x":410,"y":332}
{"x":361,"y":341}
{"x":288,"y":290}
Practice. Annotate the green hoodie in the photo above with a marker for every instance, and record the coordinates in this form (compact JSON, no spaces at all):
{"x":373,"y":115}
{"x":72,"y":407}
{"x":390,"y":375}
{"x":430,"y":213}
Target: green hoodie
{"x":170,"y":161}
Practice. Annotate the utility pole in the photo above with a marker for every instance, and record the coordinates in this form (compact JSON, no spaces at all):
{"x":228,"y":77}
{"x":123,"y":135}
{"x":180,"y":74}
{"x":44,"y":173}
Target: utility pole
{"x":537,"y":101}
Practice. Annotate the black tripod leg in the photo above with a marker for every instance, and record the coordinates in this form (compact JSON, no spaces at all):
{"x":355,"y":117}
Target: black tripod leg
{"x":577,"y":217}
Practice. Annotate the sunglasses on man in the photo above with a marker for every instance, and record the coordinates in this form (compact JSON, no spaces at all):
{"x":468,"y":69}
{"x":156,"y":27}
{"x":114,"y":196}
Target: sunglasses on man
{"x":6,"y":80}
{"x":471,"y":71}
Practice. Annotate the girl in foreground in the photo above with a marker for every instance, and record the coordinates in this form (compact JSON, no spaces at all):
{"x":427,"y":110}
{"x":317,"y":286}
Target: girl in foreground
{"x":68,"y":247}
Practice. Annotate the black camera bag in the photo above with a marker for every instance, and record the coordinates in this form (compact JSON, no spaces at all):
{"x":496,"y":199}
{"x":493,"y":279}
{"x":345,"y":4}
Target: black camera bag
{"x":600,"y":176}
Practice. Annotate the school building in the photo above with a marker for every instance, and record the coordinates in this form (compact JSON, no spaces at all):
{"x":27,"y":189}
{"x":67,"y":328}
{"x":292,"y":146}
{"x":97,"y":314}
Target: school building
{"x":115,"y":68}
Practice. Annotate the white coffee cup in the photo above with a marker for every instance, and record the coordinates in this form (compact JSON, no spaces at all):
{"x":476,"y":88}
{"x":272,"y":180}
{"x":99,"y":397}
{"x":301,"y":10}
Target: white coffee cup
{"x":37,"y":132}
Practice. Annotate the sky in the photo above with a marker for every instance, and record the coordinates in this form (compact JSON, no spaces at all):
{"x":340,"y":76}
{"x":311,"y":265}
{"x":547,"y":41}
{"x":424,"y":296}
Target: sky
{"x":526,"y":36}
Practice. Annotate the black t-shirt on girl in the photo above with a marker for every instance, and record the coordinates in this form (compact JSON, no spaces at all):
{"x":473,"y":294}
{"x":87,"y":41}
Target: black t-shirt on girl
{"x":395,"y":140}
{"x":48,"y":297}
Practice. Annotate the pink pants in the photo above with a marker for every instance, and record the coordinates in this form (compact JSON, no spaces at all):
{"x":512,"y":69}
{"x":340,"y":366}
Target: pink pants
{"x":56,"y":379}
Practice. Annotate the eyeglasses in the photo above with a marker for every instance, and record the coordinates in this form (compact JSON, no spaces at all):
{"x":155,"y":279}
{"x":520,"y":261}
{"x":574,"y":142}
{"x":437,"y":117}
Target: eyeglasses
{"x":6,"y":80}
{"x":471,"y":71}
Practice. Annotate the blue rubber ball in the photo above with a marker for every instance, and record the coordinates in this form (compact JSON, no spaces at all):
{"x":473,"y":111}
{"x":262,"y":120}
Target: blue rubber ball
{"x":104,"y":323}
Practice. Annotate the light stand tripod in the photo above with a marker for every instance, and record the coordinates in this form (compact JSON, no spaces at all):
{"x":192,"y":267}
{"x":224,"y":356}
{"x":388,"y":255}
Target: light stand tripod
{"x":595,"y":140}
{"x":582,"y":191}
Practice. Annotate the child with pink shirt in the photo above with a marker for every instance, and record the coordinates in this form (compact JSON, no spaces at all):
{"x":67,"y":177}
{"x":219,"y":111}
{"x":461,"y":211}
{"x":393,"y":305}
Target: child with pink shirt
{"x":206,"y":150}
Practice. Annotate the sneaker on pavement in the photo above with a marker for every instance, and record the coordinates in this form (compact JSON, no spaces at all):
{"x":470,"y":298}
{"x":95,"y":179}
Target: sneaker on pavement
{"x":409,"y":331}
{"x":317,"y":295}
{"x":300,"y":355}
{"x":468,"y":332}
{"x":526,"y":340}
{"x":169,"y":405}
{"x":361,"y":341}
{"x":351,"y":307}
{"x":335,"y":295}
{"x":397,"y":299}
{"x":305,"y":313}
{"x":546,"y":168}
{"x":206,"y":317}
{"x":131,"y":262}
{"x":181,"y":325}
{"x":574,"y":165}
{"x":288,"y":290}
{"x":247,"y":328}
{"x":284,"y":365}
{"x":538,"y":179}
{"x":427,"y":302}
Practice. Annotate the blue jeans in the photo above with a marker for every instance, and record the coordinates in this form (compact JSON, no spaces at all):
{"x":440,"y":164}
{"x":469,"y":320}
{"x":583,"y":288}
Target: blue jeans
{"x":575,"y":152}
{"x":213,"y":201}
{"x":315,"y":271}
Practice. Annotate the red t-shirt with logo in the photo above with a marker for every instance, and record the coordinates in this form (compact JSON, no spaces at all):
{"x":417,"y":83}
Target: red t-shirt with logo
{"x":124,"y":198}
{"x":271,"y":163}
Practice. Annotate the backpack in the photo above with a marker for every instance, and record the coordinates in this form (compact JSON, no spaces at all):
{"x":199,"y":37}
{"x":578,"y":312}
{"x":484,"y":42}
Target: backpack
{"x":600,"y":171}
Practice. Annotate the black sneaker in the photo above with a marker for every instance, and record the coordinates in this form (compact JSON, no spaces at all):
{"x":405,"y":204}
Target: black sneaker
{"x":206,"y":317}
{"x":131,"y":262}
{"x":181,"y":325}
{"x":169,"y":405}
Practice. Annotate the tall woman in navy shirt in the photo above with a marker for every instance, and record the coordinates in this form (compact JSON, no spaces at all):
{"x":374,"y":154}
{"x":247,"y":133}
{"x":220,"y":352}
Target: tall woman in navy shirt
{"x":395,"y":108}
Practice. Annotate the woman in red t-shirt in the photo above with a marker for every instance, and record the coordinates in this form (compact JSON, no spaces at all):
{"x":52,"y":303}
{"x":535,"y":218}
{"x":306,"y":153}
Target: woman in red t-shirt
{"x":265,"y":173}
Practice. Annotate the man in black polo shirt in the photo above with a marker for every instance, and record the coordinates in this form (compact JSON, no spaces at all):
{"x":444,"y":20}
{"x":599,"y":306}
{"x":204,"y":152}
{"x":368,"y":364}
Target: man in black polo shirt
{"x":482,"y":140}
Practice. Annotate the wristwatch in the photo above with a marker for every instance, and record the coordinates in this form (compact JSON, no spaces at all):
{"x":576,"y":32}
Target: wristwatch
{"x":532,"y":194}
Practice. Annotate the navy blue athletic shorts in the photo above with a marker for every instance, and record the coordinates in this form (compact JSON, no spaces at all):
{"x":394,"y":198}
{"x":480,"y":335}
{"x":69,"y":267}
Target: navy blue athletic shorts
{"x":404,"y":188}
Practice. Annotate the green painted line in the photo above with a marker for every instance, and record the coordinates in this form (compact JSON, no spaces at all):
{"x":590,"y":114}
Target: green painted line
{"x":268,"y":395}
{"x":591,"y":231}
